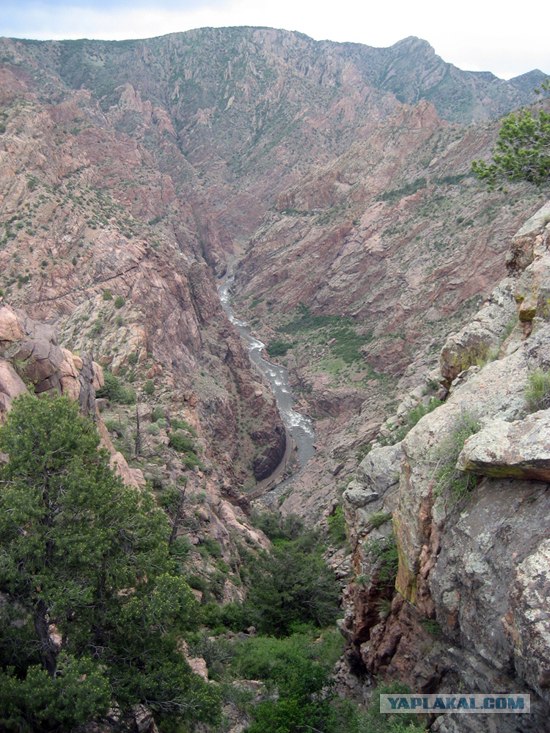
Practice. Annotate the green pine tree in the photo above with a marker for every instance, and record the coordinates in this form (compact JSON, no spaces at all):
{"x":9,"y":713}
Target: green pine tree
{"x":91,"y":604}
{"x":522,"y":150}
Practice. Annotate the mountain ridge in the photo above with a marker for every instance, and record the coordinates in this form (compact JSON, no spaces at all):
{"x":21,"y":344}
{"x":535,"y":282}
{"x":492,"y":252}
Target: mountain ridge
{"x":387,"y":62}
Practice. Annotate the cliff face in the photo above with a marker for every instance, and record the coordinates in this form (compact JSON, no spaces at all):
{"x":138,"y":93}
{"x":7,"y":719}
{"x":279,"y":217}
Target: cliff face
{"x":466,"y":546}
{"x":97,"y":238}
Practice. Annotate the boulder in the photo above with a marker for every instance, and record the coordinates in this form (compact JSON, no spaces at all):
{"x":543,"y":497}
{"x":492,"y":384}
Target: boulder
{"x":199,"y":667}
{"x":379,"y":470}
{"x":523,"y":246}
{"x":358,"y":496}
{"x":69,"y":381}
{"x":10,"y":327}
{"x":518,"y":449}
{"x":130,"y":476}
{"x":11,"y":385}
{"x":532,"y":292}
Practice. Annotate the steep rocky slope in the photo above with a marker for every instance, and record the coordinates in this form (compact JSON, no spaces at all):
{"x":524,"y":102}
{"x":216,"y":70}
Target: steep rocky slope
{"x":84,"y":245}
{"x":203,"y":507}
{"x":131,"y":173}
{"x":469,"y":546}
{"x":99,"y":242}
{"x":398,"y":247}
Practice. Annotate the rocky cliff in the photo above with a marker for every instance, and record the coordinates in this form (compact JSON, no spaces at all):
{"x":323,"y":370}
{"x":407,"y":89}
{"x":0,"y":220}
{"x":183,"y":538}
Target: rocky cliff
{"x":450,"y":523}
{"x":100,"y":241}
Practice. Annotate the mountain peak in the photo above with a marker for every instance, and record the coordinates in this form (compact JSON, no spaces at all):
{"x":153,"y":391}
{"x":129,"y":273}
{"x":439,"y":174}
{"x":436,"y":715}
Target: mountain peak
{"x":413,"y":43}
{"x":529,"y":80}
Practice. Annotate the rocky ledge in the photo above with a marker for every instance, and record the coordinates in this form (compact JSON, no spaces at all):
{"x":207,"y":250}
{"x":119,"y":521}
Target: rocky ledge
{"x":518,"y":449}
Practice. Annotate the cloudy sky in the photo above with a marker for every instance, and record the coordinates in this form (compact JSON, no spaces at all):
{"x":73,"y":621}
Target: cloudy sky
{"x":479,"y":35}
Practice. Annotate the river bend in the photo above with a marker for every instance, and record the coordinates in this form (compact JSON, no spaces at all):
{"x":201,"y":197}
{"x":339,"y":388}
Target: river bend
{"x":298,"y":426}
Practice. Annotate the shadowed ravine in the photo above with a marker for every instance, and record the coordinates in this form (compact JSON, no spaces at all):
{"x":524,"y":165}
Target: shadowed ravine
{"x":299,"y":427}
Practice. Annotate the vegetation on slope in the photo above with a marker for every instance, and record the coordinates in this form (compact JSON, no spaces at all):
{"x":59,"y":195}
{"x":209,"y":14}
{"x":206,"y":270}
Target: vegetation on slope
{"x":95,"y":608}
{"x":94,"y":605}
{"x":293,"y":602}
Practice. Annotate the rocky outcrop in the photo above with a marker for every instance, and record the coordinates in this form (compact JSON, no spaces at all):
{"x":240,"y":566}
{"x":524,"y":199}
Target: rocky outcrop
{"x":471,"y":572}
{"x":144,"y":720}
{"x":480,"y":340}
{"x":33,"y":349}
{"x":519,"y":449}
{"x":377,"y":474}
{"x":266,"y":463}
{"x":44,"y":366}
{"x":90,"y":378}
{"x":532,"y":292}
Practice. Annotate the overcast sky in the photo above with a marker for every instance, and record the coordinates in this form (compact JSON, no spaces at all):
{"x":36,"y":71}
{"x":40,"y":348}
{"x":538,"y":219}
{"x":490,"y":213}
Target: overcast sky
{"x":477,"y":35}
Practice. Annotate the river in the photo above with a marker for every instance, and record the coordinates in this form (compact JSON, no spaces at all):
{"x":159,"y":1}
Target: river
{"x":299,"y":427}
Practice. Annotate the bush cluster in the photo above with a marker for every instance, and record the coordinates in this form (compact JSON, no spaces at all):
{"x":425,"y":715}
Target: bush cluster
{"x":537,"y":392}
{"x":337,"y":527}
{"x":115,"y":391}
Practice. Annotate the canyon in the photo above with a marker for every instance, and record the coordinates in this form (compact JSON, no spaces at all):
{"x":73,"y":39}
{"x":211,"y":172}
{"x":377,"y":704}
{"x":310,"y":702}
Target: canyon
{"x":332,"y":181}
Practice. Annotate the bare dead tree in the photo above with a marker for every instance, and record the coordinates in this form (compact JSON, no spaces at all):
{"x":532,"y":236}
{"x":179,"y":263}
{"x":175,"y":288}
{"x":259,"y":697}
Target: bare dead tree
{"x":138,"y":431}
{"x":178,"y":514}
